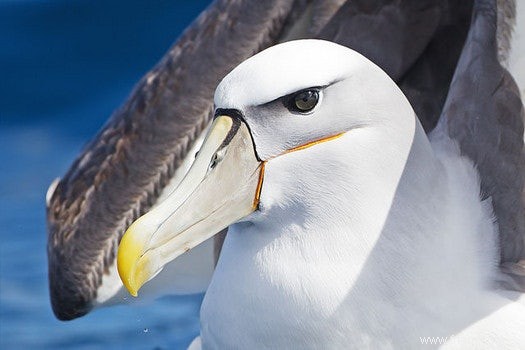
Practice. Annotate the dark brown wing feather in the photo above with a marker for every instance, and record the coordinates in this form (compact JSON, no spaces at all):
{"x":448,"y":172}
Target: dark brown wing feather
{"x":121,"y":172}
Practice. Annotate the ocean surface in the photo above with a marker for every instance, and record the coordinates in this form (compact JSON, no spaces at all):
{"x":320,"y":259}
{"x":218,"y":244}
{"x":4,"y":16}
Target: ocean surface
{"x":65,"y":65}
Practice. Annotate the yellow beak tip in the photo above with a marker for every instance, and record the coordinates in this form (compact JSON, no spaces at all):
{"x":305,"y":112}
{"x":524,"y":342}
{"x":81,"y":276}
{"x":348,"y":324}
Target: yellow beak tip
{"x":130,"y":285}
{"x":128,"y":258}
{"x":133,"y":292}
{"x":127,"y":279}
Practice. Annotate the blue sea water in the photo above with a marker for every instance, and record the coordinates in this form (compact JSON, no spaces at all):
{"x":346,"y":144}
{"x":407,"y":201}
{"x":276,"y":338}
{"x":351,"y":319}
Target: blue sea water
{"x":65,"y":65}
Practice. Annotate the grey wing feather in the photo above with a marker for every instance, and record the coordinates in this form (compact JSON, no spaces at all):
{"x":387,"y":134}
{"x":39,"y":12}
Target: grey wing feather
{"x":484,"y":114}
{"x":417,"y":43}
{"x":426,"y":84}
{"x":379,"y":29}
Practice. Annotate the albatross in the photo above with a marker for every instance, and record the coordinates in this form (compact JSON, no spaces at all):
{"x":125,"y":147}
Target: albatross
{"x":448,"y":57}
{"x":348,"y":226}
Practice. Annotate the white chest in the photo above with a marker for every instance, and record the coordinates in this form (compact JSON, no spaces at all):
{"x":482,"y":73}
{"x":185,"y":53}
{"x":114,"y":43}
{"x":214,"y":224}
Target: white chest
{"x":302,"y":299}
{"x":256,"y":302}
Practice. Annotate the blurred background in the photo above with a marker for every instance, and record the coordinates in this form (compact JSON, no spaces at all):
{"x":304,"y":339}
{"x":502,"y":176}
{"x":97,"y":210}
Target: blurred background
{"x":65,"y":65}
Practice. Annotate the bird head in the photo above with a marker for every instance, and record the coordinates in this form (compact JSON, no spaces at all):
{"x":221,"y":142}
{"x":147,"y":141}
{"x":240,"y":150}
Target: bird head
{"x":288,"y":106}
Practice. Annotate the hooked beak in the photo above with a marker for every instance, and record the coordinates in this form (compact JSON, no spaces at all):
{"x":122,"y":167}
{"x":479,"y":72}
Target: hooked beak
{"x":222,"y":186}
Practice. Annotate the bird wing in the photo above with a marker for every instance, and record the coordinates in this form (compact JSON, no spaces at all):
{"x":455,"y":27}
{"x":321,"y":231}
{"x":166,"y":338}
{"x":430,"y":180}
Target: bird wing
{"x":484,"y":114}
{"x":122,"y":171}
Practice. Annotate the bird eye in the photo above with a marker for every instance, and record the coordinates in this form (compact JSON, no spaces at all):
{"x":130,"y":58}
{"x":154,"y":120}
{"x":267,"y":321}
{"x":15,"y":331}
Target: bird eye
{"x":303,"y":101}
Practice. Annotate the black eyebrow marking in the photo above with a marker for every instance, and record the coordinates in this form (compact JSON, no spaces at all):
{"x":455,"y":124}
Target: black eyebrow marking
{"x":230,"y":112}
{"x":231,"y":133}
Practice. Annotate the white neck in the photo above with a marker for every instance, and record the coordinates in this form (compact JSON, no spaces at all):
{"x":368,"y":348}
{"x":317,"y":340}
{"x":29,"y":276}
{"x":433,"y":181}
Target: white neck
{"x":360,"y":249}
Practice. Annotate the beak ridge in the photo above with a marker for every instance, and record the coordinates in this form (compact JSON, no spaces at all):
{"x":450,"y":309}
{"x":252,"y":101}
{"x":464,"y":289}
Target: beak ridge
{"x":222,"y":187}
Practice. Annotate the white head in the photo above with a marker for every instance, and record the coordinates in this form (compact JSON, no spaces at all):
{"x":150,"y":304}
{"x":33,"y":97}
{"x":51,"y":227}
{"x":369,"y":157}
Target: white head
{"x":355,"y":100}
{"x":353,"y":92}
{"x":294,"y":123}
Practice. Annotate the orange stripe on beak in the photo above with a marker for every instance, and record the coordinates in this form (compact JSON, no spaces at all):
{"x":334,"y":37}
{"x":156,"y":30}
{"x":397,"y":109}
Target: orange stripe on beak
{"x":257,"y":197}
